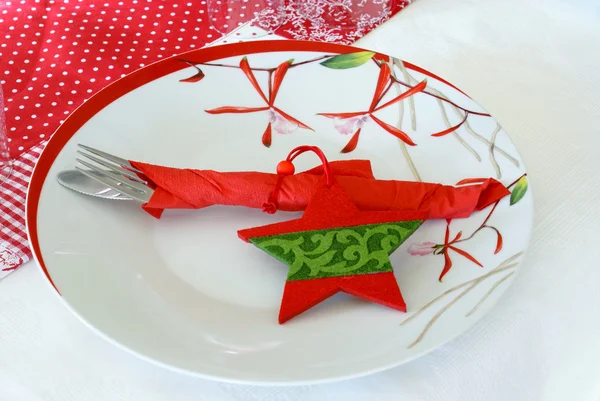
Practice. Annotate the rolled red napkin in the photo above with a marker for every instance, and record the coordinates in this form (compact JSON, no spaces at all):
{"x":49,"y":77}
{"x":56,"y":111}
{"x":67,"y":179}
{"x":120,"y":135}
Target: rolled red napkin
{"x":195,"y":189}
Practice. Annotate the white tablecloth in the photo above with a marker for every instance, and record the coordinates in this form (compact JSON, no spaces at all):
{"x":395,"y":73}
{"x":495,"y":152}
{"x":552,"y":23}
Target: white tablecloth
{"x":535,"y":65}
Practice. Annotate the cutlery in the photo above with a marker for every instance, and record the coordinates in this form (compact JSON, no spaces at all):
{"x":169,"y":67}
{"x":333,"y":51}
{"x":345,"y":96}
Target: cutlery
{"x":79,"y":182}
{"x":105,"y":173}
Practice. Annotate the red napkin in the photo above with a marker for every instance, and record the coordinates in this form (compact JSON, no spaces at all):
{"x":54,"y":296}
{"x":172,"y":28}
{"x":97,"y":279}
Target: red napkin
{"x":195,"y":189}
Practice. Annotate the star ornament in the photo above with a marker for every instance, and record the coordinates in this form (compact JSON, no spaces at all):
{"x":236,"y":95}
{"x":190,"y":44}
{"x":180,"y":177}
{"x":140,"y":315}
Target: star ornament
{"x":335,"y":247}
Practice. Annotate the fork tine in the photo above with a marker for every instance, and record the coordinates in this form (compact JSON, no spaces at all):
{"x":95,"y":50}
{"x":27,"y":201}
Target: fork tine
{"x":112,"y":167}
{"x":116,"y":177}
{"x":121,"y":162}
{"x":111,"y":184}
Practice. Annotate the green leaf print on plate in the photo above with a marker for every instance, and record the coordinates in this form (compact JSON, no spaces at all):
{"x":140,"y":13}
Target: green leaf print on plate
{"x":519,"y":191}
{"x":349,"y":60}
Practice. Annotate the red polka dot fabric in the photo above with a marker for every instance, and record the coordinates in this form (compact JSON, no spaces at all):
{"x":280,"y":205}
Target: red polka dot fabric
{"x":54,"y":54}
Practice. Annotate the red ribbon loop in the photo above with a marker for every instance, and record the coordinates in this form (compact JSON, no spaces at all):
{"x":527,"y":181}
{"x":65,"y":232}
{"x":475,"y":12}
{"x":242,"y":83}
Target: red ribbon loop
{"x":270,"y":206}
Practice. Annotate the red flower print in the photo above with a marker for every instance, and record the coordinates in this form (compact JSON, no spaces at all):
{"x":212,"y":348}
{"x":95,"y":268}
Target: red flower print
{"x":447,"y":247}
{"x":198,"y":76}
{"x":422,"y":249}
{"x":279,"y":121}
{"x":346,"y":123}
{"x":453,"y":128}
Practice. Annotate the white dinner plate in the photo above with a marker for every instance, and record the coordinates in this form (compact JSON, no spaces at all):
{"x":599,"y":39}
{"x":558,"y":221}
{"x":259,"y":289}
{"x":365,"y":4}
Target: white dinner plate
{"x":185,"y":292}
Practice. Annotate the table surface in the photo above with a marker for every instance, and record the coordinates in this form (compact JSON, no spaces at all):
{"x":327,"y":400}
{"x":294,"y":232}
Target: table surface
{"x":535,"y":66}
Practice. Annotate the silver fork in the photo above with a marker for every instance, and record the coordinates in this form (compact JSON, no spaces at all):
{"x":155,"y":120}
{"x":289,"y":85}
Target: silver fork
{"x":114,"y":172}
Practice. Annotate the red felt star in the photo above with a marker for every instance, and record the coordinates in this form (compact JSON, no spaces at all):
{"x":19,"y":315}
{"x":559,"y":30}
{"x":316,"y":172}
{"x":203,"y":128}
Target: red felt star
{"x":322,"y":249}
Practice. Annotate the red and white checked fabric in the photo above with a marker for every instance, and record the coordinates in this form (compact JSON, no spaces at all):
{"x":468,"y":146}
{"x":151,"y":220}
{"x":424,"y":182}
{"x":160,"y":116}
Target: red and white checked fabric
{"x":54,"y":54}
{"x":14,"y":248}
